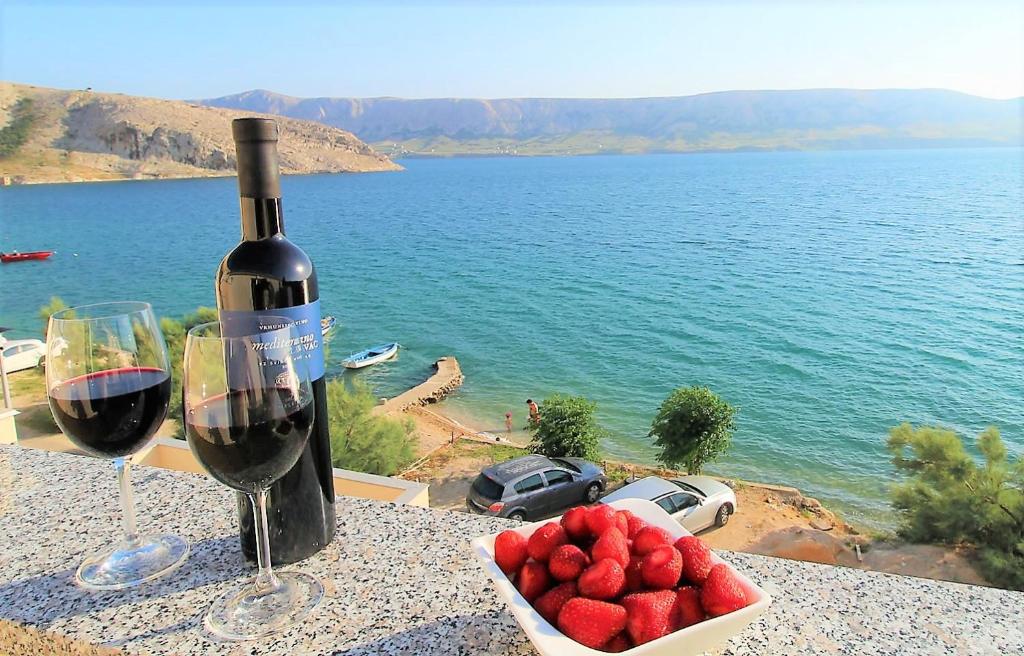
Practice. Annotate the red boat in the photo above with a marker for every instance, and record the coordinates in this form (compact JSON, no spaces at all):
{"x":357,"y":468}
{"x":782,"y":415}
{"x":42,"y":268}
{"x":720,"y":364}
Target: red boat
{"x":18,"y":257}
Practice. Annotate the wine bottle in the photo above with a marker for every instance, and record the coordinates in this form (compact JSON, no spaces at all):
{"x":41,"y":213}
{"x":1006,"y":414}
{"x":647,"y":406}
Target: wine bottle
{"x":264,"y":276}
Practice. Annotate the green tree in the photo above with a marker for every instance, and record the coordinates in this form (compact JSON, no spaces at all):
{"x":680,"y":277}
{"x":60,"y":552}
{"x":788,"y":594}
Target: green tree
{"x":361,"y":441}
{"x":693,"y":427}
{"x":55,"y":305}
{"x":567,"y":427}
{"x":948,"y":497}
{"x":174,"y":331}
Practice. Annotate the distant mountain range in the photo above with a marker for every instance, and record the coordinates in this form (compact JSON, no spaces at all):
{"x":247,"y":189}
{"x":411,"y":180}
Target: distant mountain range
{"x":53,"y":135}
{"x":811,"y":119}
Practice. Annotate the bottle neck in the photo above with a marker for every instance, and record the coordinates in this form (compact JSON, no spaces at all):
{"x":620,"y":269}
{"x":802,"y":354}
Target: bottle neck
{"x":261,"y":218}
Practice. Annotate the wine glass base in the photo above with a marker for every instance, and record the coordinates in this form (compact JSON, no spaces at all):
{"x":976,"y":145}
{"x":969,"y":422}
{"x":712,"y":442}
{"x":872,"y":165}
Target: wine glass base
{"x":245,"y":614}
{"x":129,"y":564}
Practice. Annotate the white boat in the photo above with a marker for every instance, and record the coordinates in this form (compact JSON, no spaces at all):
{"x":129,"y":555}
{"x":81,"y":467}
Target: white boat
{"x":371,"y":356}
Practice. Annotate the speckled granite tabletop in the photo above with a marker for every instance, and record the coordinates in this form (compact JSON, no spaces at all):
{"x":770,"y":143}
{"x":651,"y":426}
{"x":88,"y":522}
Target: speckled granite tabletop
{"x":402,"y":580}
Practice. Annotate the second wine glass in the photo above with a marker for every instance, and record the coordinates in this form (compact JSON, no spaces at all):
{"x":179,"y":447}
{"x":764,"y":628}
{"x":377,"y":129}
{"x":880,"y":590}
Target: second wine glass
{"x":248,"y":411}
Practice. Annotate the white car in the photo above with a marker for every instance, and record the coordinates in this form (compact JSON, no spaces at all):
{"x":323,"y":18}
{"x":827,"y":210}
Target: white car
{"x":696,"y":502}
{"x":22,"y":354}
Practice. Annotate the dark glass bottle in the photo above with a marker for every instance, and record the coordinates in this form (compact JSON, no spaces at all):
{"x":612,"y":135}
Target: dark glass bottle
{"x":267,"y":275}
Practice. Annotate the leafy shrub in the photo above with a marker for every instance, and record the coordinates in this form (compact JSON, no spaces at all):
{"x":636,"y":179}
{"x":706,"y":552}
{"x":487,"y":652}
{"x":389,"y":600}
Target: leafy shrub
{"x":361,"y":441}
{"x":693,"y":427}
{"x":567,"y":428}
{"x":949,"y":498}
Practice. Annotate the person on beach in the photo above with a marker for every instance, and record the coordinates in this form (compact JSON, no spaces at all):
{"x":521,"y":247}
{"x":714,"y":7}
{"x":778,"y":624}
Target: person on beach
{"x":534,"y":412}
{"x":508,"y":421}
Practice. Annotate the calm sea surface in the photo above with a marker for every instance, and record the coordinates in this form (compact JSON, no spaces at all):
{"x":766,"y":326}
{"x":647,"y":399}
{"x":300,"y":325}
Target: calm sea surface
{"x":829,"y":295}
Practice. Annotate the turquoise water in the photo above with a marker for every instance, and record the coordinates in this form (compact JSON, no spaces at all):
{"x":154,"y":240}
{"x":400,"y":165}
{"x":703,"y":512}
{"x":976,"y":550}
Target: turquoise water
{"x":829,"y":295}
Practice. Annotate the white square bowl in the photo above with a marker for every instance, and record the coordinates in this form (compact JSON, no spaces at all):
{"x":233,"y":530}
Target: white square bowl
{"x":689,"y":641}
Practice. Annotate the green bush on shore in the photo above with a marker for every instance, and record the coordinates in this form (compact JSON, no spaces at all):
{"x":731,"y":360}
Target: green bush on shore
{"x":693,"y":427}
{"x":361,"y":441}
{"x":948,"y":497}
{"x":567,"y":427}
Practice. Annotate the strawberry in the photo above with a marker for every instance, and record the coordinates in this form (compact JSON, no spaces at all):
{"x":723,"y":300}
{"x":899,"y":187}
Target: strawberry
{"x":721,"y":592}
{"x":602,"y":580}
{"x":510,"y":551}
{"x":649,"y":538}
{"x":650,"y":615}
{"x":591,"y":623}
{"x":622,"y":521}
{"x":634,"y":525}
{"x":661,"y":568}
{"x":533,"y":580}
{"x":688,"y":608}
{"x":634,"y":580}
{"x":611,"y":544}
{"x":618,"y":644}
{"x":567,"y":562}
{"x":696,"y":558}
{"x":544,"y":540}
{"x":574,"y":521}
{"x":549,"y":603}
{"x":600,"y":518}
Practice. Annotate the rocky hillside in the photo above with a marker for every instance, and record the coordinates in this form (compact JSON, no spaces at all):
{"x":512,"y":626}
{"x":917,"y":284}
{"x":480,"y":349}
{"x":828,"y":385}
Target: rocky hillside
{"x":74,"y":136}
{"x":729,"y":120}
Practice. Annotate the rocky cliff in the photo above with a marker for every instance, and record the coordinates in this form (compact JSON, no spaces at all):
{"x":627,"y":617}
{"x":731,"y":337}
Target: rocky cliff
{"x":83,"y":135}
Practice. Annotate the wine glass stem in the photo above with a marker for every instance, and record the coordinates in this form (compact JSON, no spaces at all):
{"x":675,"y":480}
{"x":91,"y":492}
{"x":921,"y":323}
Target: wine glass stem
{"x":265,"y":578}
{"x":124,"y":483}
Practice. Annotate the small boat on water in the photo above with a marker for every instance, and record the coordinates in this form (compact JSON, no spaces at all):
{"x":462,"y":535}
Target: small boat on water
{"x":19,"y":257}
{"x":326,"y":324}
{"x":371,"y":356}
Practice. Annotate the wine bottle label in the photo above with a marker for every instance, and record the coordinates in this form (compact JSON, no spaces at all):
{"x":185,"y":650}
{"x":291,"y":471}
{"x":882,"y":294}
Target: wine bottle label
{"x":306,"y":346}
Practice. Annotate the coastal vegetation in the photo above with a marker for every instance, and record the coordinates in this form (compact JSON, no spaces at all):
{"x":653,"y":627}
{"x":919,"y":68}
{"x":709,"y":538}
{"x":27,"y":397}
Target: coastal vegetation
{"x":15,"y":133}
{"x":361,"y":441}
{"x":693,"y":427}
{"x":567,"y":427}
{"x":949,"y":498}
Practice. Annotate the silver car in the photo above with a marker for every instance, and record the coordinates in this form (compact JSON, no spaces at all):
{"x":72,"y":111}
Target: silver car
{"x":532,"y":487}
{"x":696,"y":502}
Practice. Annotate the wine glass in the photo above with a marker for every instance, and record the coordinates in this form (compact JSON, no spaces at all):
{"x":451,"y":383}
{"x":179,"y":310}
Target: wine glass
{"x":108,"y":383}
{"x":248,"y":410}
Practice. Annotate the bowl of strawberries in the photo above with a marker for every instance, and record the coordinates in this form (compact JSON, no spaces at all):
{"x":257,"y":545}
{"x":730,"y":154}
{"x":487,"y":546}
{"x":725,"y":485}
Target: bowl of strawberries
{"x":619,"y":577}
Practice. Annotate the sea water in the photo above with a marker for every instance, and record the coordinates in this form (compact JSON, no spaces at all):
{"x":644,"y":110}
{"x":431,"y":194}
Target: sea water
{"x":828,"y":295}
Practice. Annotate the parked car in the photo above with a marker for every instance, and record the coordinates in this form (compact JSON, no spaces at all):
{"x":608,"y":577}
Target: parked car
{"x":22,"y":354}
{"x":696,"y":502}
{"x":533,"y":487}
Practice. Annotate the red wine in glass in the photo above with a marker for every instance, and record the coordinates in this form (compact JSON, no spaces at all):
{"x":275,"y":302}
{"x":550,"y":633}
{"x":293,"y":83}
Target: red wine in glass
{"x":112,"y":413}
{"x":108,"y":380}
{"x":251,"y":454}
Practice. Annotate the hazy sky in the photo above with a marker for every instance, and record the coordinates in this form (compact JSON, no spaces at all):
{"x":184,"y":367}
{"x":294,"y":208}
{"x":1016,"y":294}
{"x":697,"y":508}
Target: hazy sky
{"x":203,"y":49}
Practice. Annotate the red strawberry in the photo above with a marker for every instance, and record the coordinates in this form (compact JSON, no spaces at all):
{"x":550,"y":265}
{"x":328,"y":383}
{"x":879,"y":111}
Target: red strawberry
{"x":635,"y":524}
{"x":510,"y":551}
{"x":634,"y":580}
{"x":649,"y":538}
{"x":618,"y":644}
{"x":574,"y":521}
{"x":533,"y":580}
{"x":600,"y":518}
{"x":591,"y":623}
{"x":567,"y":562}
{"x":688,"y":608}
{"x":602,"y":580}
{"x":549,"y":603}
{"x":611,"y":544}
{"x":721,"y":592}
{"x":696,"y":558}
{"x":660,"y":569}
{"x":622,"y":521}
{"x":544,"y":540}
{"x":650,"y":615}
